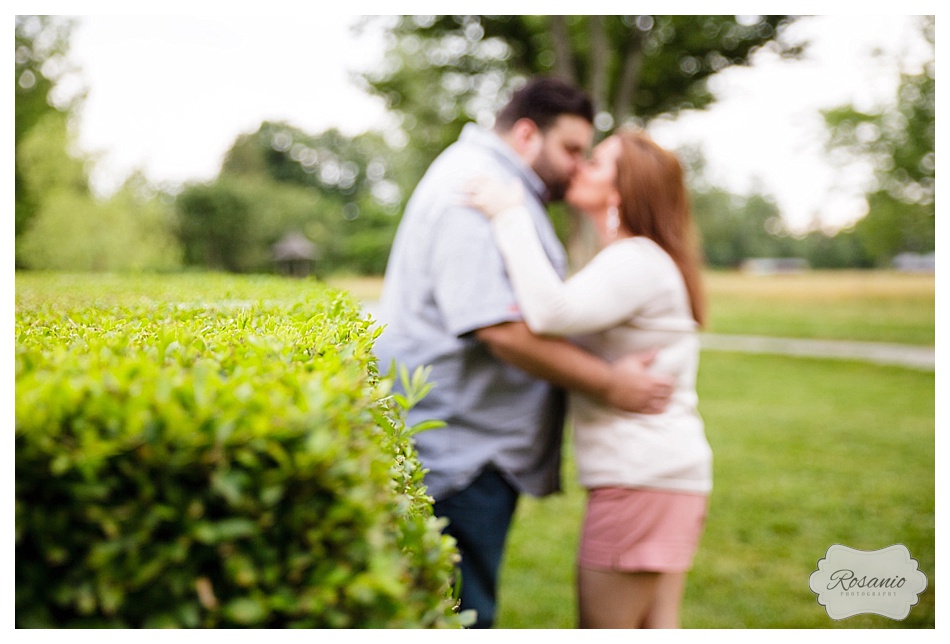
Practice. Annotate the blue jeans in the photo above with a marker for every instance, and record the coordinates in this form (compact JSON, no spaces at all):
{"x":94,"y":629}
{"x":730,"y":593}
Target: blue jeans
{"x":479,"y":517}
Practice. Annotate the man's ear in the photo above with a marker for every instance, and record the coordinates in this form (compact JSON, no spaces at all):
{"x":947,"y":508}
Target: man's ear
{"x":526,"y":139}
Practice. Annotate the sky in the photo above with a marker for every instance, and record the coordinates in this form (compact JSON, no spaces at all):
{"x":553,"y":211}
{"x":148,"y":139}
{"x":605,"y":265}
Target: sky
{"x":169,"y":94}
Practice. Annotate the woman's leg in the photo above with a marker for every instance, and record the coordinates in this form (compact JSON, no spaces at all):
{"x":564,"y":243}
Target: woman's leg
{"x":615,"y":599}
{"x":665,"y":612}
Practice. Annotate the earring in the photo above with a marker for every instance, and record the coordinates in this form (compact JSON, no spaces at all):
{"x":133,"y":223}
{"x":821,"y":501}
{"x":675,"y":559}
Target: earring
{"x":613,"y":222}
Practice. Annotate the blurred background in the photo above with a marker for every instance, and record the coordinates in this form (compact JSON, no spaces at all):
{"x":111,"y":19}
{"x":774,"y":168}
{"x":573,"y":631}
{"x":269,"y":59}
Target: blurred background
{"x":285,"y":143}
{"x":289,"y":144}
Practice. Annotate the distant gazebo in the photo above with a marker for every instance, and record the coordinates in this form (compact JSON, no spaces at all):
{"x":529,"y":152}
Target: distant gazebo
{"x":294,"y":255}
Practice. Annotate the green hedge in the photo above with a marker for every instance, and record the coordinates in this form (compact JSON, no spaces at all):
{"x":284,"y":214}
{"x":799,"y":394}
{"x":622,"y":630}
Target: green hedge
{"x":232,"y":464}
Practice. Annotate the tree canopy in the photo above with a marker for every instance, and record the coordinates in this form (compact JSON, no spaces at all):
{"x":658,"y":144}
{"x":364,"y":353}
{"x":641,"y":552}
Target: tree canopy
{"x":41,"y":49}
{"x":60,"y":224}
{"x":899,"y":142}
{"x":441,"y":71}
{"x":342,"y":194}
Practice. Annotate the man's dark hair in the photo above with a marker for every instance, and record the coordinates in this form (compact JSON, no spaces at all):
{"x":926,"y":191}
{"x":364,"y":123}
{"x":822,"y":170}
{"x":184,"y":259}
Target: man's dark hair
{"x":543,"y":100}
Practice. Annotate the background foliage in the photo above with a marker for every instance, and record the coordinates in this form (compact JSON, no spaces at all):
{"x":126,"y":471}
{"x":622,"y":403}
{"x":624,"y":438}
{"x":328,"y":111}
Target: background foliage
{"x":42,"y":45}
{"x":899,"y":143}
{"x":345,"y":194}
{"x":340,"y":193}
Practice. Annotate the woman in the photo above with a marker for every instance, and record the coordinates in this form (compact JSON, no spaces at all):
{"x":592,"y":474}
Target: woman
{"x":648,"y":476}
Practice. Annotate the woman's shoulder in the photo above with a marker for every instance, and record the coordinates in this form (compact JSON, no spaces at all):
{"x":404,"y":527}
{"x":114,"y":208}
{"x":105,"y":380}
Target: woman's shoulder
{"x":639,"y":242}
{"x":640,"y":249}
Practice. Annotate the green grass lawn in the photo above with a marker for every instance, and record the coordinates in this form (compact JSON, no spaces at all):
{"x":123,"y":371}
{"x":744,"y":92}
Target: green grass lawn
{"x":808,"y":453}
{"x":872,"y":306}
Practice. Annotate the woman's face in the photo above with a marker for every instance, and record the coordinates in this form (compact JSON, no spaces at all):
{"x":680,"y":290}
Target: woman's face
{"x":594,"y":187}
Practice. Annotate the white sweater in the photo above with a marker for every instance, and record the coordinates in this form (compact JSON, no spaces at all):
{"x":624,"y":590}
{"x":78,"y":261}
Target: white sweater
{"x":630,"y":297}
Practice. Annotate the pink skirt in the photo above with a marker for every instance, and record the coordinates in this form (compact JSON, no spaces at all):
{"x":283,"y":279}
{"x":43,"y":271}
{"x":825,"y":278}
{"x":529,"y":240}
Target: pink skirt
{"x":637,"y":529}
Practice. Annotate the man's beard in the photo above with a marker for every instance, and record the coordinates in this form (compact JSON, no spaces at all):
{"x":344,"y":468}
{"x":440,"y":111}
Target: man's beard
{"x":556,"y":184}
{"x":556,"y":190}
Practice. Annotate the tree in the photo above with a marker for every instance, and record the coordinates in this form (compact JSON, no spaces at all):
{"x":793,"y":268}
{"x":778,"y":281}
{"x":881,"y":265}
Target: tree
{"x":840,"y":249}
{"x":60,"y":225}
{"x":41,"y":94}
{"x":331,"y":163}
{"x":899,"y":142}
{"x":213,"y":229}
{"x":70,"y":229}
{"x":441,"y":71}
{"x":341,"y":193}
{"x":734,"y":227}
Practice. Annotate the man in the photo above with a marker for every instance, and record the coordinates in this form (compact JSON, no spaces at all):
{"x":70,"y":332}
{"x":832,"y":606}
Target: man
{"x":447,"y":303}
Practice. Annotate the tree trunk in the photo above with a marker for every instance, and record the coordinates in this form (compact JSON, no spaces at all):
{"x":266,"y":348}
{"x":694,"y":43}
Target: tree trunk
{"x":599,"y":59}
{"x":582,"y":242}
{"x":629,"y":76}
{"x":563,"y":56}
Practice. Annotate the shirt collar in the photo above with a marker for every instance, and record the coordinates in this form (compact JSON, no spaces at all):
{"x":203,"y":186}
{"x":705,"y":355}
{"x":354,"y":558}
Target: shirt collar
{"x":473,"y":133}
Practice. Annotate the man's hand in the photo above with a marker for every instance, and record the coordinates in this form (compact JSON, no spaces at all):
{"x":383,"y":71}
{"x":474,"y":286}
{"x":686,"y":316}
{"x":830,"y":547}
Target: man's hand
{"x":634,"y":388}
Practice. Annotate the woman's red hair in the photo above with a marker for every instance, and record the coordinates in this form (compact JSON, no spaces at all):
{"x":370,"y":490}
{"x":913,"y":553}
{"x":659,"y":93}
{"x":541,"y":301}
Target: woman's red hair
{"x":654,"y":204}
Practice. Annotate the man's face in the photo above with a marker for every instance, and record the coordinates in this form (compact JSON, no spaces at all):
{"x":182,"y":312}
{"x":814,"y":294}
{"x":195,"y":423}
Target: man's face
{"x":563,"y":147}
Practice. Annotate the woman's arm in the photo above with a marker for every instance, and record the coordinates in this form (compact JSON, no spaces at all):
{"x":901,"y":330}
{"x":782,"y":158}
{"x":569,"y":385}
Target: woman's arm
{"x":603,"y":294}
